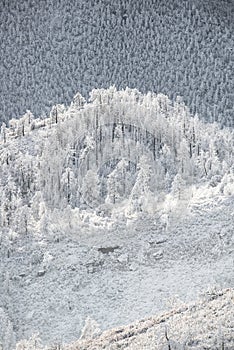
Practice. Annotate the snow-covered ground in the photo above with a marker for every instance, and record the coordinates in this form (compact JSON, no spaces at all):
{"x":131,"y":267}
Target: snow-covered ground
{"x":121,"y":275}
{"x":206,"y":324}
{"x":114,"y":210}
{"x":120,"y":205}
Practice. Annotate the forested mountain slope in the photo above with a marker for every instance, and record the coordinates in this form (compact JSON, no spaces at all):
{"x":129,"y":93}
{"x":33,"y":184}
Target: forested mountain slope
{"x":51,"y":49}
{"x":122,"y":148}
{"x":108,"y":209}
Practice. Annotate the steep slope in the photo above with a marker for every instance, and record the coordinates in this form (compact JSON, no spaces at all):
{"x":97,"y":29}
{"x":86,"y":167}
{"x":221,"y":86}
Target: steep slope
{"x":121,"y":145}
{"x":109,"y":209}
{"x":52,"y":49}
{"x":207,"y":324}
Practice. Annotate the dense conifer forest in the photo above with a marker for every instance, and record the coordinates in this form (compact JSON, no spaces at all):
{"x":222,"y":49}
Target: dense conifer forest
{"x":52,"y":50}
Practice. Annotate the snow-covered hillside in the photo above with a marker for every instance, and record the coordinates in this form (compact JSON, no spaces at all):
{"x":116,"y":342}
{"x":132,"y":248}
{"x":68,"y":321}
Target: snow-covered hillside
{"x":123,"y":152}
{"x":54,"y":282}
{"x":111,"y":209}
{"x":207,"y":324}
{"x":51,"y":49}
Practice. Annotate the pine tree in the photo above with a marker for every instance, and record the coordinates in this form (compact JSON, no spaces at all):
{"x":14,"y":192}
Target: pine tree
{"x":141,"y":188}
{"x":178,"y":186}
{"x":91,"y":188}
{"x":3,"y":132}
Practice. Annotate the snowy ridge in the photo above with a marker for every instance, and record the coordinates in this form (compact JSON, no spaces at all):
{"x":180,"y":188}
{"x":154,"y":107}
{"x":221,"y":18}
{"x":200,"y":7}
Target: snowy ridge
{"x":206,"y":324}
{"x":78,"y":156}
{"x":180,"y":328}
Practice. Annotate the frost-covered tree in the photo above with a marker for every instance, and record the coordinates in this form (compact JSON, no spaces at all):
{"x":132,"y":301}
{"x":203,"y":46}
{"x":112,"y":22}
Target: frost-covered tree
{"x":91,"y":188}
{"x":112,"y":187}
{"x":7,"y":339}
{"x":90,"y":330}
{"x":3,"y":132}
{"x":119,"y":145}
{"x":178,"y":186}
{"x":141,"y":188}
